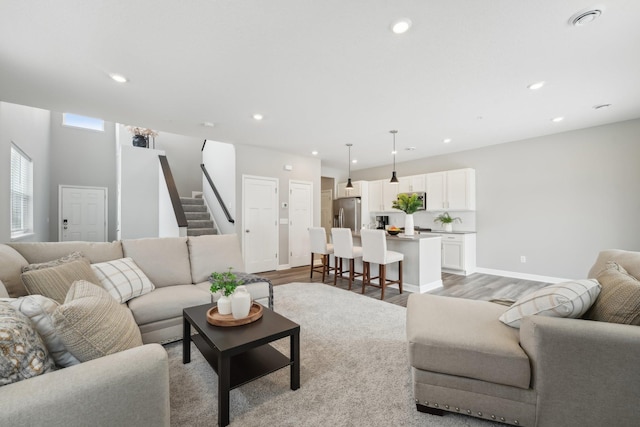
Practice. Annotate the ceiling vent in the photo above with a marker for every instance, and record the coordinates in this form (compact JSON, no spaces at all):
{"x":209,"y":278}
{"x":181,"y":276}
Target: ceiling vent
{"x":584,"y":18}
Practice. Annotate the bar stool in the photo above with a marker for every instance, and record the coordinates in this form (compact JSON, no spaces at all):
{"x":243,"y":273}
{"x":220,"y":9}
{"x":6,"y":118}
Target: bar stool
{"x":374,"y":250}
{"x":319,"y":245}
{"x":343,"y":248}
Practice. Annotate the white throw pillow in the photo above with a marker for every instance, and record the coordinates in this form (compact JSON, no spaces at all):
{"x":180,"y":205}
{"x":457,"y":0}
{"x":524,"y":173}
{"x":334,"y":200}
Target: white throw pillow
{"x":39,"y":310}
{"x":123,"y":279}
{"x":568,"y":299}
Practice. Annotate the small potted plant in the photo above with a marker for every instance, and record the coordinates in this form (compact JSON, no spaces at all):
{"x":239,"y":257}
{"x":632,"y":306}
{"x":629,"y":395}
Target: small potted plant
{"x":446,"y":220}
{"x":408,"y":204}
{"x":225,"y":284}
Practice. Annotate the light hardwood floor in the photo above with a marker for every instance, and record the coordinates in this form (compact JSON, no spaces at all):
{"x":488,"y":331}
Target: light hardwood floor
{"x":475,"y":286}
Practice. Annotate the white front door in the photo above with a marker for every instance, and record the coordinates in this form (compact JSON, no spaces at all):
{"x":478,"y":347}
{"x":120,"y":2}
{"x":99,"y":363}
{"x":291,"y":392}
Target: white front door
{"x":260,"y":223}
{"x":82,"y":214}
{"x":300,"y":220}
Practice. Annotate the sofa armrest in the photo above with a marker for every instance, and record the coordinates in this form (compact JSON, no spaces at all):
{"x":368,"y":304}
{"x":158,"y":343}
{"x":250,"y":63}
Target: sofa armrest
{"x":126,"y":388}
{"x":583,"y":371}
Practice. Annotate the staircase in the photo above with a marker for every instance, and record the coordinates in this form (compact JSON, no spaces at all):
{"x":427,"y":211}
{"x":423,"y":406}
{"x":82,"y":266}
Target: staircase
{"x":198,"y":219}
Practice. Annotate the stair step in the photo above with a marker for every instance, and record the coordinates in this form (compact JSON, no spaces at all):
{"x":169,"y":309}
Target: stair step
{"x":200,"y":223}
{"x":194,"y":208}
{"x":201,"y":231}
{"x":191,"y":201}
{"x":197,"y":215}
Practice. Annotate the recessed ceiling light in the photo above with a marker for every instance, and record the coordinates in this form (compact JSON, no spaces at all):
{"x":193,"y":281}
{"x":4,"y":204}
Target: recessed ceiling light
{"x":118,"y":78}
{"x":354,"y":161}
{"x":584,"y":18}
{"x":535,"y":86}
{"x":314,"y":152}
{"x":446,"y":140}
{"x":598,"y":107}
{"x":258,"y":116}
{"x":401,"y":26}
{"x":557,"y":119}
{"x":209,"y":124}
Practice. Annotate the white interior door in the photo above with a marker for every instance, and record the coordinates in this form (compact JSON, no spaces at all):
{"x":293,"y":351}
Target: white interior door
{"x":82,"y":214}
{"x":260,"y":223}
{"x":300,"y":220}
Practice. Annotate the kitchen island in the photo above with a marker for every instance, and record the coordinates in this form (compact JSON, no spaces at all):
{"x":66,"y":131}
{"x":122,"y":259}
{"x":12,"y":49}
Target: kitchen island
{"x":422,"y":261}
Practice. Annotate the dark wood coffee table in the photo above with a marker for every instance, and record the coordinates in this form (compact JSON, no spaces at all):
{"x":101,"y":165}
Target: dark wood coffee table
{"x":241,"y":354}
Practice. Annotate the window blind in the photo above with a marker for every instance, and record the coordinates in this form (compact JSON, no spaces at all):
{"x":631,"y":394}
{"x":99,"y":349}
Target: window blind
{"x":21,"y":192}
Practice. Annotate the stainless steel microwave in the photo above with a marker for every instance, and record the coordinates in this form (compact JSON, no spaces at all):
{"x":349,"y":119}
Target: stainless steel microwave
{"x":422,"y":196}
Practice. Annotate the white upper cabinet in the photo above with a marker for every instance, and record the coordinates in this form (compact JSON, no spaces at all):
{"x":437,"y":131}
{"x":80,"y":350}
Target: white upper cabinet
{"x":375,"y":196}
{"x":451,"y":190}
{"x":343,"y":191}
{"x":382,"y":194}
{"x":412,"y":183}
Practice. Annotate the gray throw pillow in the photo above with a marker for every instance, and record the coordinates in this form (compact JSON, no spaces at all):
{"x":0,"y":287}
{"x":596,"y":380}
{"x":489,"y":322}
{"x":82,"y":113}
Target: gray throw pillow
{"x":619,"y":300}
{"x":54,"y":282}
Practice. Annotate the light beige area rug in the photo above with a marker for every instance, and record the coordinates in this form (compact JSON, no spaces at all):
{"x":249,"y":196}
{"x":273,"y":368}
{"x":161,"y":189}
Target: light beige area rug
{"x":354,"y":370}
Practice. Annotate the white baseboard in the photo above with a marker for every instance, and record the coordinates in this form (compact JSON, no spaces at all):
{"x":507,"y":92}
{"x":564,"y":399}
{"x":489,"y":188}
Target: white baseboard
{"x":420,"y":289}
{"x":283,"y":267}
{"x":525,"y":276}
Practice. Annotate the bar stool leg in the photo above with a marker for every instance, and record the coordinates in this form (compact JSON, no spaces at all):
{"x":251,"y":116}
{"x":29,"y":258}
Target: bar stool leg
{"x":400,"y":276}
{"x":365,"y":275}
{"x":383,"y":279}
{"x":324,"y":266}
{"x":311,"y":269}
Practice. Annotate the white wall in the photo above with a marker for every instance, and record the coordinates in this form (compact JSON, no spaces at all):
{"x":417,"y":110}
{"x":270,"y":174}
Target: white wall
{"x":29,"y":128}
{"x":85,"y":158}
{"x":220,"y":160}
{"x":139,"y":195}
{"x":257,"y":161}
{"x":557,"y":199}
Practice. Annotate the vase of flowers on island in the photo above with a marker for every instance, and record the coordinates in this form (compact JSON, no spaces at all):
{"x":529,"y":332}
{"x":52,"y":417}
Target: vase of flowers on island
{"x":408,"y":204}
{"x":141,"y":136}
{"x":224,"y":284}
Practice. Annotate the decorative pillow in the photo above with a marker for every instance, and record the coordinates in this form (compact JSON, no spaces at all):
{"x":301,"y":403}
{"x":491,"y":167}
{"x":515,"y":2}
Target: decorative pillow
{"x":569,"y":299}
{"x":39,"y":310}
{"x":92,"y":324}
{"x":54,"y":282}
{"x":73,"y":256}
{"x":123,"y":279}
{"x":22,"y":353}
{"x":619,"y":301}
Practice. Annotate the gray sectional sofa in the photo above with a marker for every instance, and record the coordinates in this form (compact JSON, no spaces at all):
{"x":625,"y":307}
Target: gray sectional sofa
{"x":130,"y":387}
{"x":550,"y":372}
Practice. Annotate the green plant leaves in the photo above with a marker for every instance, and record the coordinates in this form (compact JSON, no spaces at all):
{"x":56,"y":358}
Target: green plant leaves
{"x":406,"y":203}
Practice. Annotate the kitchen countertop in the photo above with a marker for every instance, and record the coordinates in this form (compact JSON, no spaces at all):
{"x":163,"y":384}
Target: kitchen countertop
{"x":402,"y":237}
{"x":446,"y":232}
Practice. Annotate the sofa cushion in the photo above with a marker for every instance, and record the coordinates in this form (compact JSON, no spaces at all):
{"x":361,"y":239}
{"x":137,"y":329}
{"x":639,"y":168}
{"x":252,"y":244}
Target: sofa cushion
{"x":464,"y":337}
{"x":214,"y":253}
{"x":36,"y":252}
{"x":22,"y":353}
{"x":568,"y":299}
{"x":123,"y":279}
{"x":73,"y":256}
{"x":166,"y":303}
{"x":11,"y":263}
{"x":92,"y":324}
{"x":165,"y":261}
{"x":39,"y":310}
{"x":629,"y":260}
{"x":619,"y":300}
{"x":54,"y":282}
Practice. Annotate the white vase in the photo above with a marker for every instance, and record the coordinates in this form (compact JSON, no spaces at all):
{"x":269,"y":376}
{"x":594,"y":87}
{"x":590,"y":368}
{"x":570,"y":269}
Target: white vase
{"x":448,"y":227}
{"x":224,"y":305}
{"x":240,"y":302}
{"x":408,"y":225}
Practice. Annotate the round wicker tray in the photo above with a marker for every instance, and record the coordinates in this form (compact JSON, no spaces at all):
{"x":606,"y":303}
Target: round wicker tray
{"x":217,"y":319}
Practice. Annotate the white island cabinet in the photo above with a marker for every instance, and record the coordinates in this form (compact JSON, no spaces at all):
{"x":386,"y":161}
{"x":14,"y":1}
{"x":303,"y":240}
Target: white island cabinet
{"x":458,"y":253}
{"x":421,"y":265}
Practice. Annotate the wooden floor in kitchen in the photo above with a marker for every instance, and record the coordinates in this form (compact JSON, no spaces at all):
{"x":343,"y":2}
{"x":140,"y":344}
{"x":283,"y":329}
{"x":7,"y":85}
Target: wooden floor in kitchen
{"x":475,"y":286}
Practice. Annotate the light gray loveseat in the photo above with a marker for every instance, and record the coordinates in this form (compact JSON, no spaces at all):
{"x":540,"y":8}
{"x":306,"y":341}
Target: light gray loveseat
{"x":130,"y":387}
{"x":550,"y":372}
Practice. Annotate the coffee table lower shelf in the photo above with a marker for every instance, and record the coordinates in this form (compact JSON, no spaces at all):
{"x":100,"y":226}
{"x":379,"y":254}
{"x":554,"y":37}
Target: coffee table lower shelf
{"x":247,"y":366}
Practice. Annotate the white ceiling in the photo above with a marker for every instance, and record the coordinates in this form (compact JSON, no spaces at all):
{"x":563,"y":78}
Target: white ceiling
{"x":327,"y":72}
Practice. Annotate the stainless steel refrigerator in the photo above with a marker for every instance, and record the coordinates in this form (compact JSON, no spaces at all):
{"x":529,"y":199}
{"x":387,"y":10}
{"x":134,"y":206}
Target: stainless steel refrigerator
{"x":347,"y":213}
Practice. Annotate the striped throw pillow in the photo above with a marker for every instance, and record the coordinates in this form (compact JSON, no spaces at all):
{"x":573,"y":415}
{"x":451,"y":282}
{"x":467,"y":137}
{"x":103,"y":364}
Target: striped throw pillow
{"x":123,"y":279}
{"x":568,"y":299}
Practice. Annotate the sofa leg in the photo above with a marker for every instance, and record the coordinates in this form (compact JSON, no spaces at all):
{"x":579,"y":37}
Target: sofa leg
{"x":429,"y":410}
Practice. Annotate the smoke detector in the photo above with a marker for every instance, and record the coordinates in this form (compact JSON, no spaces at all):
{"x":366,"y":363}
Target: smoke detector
{"x":584,"y":18}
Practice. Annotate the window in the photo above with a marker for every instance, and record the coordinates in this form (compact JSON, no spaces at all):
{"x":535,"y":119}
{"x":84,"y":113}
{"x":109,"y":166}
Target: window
{"x":21,"y":193}
{"x":83,"y":122}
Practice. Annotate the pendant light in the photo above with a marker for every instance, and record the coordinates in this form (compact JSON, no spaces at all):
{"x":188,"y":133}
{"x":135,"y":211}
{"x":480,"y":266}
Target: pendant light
{"x":349,"y":184}
{"x":394,"y":178}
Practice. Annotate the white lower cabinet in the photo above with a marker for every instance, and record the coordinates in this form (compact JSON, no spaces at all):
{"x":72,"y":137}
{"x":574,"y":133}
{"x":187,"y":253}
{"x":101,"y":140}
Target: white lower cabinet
{"x":459,"y":253}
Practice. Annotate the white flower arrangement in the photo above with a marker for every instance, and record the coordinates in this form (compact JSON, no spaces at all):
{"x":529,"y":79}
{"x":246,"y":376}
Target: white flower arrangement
{"x":135,"y":130}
